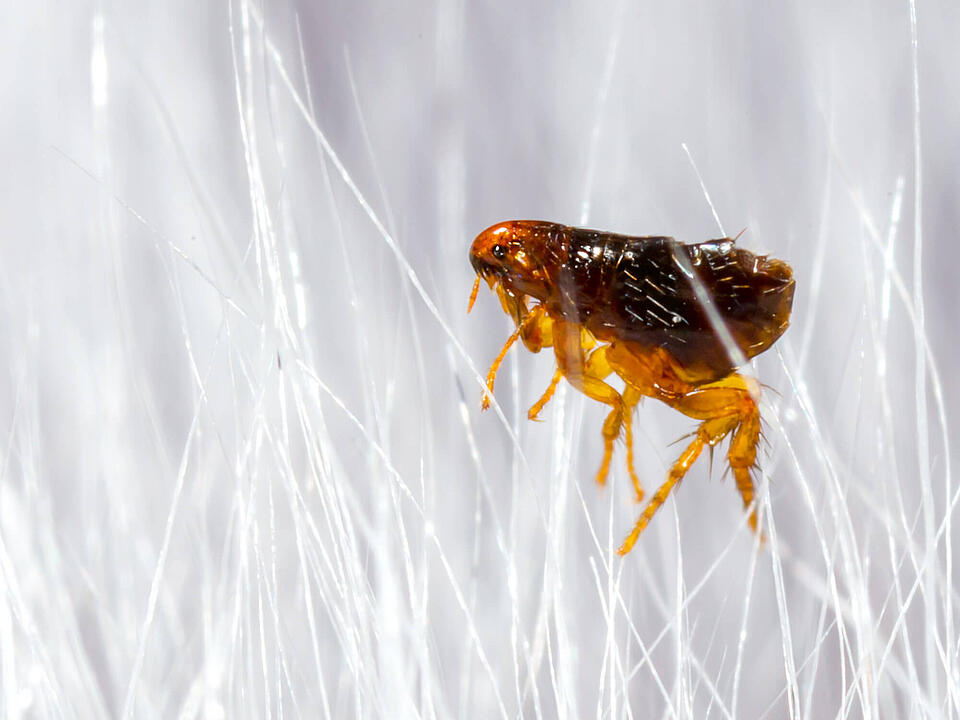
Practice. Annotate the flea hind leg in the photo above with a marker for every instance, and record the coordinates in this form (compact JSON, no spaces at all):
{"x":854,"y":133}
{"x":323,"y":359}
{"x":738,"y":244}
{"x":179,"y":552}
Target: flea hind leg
{"x":724,"y":407}
{"x":734,"y":395}
{"x":709,"y":433}
{"x":587,"y":374}
{"x":742,"y":457}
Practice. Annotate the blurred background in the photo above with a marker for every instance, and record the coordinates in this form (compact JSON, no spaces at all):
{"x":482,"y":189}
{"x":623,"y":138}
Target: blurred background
{"x":244,"y":470}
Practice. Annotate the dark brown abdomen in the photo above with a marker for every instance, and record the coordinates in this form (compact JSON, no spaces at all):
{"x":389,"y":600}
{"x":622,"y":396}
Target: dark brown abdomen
{"x":644,"y":290}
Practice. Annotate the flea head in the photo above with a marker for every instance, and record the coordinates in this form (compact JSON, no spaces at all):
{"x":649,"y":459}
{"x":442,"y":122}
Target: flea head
{"x":513,"y":257}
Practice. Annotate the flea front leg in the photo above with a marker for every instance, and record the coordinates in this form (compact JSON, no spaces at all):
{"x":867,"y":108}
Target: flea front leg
{"x":540,"y":336}
{"x":535,"y":317}
{"x":536,"y":336}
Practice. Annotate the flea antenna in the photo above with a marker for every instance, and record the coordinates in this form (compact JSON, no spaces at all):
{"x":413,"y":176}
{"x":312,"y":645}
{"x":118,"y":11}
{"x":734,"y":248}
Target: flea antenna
{"x":739,"y":234}
{"x":473,"y":294}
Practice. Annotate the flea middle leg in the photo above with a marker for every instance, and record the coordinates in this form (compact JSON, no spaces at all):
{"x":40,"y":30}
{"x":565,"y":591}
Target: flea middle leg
{"x":587,"y":373}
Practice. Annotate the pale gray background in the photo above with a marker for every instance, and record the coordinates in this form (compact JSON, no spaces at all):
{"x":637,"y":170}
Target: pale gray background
{"x":244,"y":470}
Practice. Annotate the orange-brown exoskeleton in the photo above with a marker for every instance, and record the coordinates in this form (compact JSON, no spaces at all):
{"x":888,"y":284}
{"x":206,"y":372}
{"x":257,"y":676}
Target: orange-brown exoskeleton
{"x":673,"y":321}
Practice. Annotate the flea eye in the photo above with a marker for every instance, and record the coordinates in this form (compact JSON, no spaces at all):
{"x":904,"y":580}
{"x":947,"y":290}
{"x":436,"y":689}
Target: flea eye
{"x":499,"y":252}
